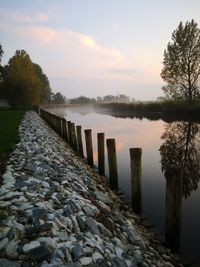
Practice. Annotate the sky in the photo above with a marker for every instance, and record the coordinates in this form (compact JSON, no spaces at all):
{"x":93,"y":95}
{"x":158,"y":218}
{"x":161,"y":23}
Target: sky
{"x":95,"y":47}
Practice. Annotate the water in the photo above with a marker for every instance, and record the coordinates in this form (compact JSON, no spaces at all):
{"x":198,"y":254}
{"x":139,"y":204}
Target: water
{"x":162,"y":144}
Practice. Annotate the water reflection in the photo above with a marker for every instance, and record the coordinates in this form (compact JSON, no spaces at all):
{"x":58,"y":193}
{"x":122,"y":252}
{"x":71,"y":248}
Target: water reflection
{"x":181,"y":148}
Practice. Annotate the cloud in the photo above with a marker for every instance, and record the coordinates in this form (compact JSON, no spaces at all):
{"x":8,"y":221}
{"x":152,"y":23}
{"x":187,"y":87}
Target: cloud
{"x":20,"y":16}
{"x":72,"y":53}
{"x":67,"y":54}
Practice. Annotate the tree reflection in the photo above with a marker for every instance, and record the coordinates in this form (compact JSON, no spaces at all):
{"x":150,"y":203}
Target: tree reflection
{"x":181,"y":147}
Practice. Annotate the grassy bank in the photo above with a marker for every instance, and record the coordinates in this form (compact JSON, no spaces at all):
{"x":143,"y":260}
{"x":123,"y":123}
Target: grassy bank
{"x":154,"y":110}
{"x":9,"y":121}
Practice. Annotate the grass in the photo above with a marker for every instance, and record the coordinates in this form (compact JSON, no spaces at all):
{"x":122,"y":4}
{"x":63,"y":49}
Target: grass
{"x":9,"y":123}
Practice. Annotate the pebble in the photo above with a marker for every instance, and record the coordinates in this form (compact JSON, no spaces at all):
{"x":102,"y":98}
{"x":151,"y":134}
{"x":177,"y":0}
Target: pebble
{"x":85,"y":261}
{"x":30,"y":246}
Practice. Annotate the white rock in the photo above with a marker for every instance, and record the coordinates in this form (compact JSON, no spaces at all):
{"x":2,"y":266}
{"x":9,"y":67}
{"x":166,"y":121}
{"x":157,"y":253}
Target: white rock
{"x":85,"y":260}
{"x":118,"y":252}
{"x":31,"y":245}
{"x":50,"y":241}
{"x":45,"y":184}
{"x":96,"y":256}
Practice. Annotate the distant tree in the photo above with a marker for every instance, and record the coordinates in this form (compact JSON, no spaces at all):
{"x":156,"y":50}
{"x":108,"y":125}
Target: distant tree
{"x":82,"y":100}
{"x":108,"y":98}
{"x":1,"y":52}
{"x":58,"y":98}
{"x":99,"y":99}
{"x":21,"y":85}
{"x":122,"y":98}
{"x":181,"y":64}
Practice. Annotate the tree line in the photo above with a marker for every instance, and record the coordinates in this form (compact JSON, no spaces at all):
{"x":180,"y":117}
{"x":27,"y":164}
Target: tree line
{"x":24,"y":84}
{"x":122,"y":98}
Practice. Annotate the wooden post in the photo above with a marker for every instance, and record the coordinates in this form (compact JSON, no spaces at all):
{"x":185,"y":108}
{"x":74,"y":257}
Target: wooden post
{"x":112,"y":163}
{"x":136,"y":174}
{"x":79,"y":140}
{"x":64,"y":129}
{"x":69,"y":132}
{"x":174,"y":184}
{"x":101,"y":153}
{"x":60,"y":126}
{"x":74,"y":139}
{"x":89,"y":148}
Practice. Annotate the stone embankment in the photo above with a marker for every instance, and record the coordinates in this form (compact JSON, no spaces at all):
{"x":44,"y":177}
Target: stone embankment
{"x":56,"y":211}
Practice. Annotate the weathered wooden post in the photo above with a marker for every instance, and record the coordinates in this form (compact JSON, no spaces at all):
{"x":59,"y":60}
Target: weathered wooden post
{"x":64,"y":128}
{"x":112,"y":163}
{"x":57,"y":124}
{"x":136,"y":174}
{"x":174,"y":184}
{"x":74,"y":139}
{"x":69,"y":132}
{"x":60,"y":126}
{"x":89,"y":148}
{"x":79,"y":140}
{"x":101,"y":153}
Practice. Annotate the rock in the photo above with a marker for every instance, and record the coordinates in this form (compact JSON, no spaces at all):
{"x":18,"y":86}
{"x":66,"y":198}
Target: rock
{"x":92,"y":225}
{"x":3,"y":243}
{"x":117,"y":262}
{"x":3,"y":232}
{"x":45,"y":184}
{"x":119,"y":252}
{"x":11,"y":250}
{"x":85,"y":261}
{"x":31,"y":245}
{"x":39,"y":213}
{"x":102,"y":197}
{"x":40,"y":252}
{"x":96,"y":256}
{"x":63,"y":236}
{"x":30,"y":168}
{"x":90,"y":211}
{"x":34,"y":230}
{"x":76,"y":252}
{"x":81,"y":223}
{"x":7,"y":263}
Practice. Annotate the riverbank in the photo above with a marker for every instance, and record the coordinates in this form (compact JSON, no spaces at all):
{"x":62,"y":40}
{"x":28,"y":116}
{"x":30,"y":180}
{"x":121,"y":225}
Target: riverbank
{"x":168,"y":111}
{"x":56,"y":211}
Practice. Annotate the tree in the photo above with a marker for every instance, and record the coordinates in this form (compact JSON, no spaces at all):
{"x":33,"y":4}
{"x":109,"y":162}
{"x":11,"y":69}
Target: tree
{"x":58,"y":98}
{"x":181,"y":64}
{"x":24,"y":83}
{"x":82,"y":100}
{"x":46,"y":89}
{"x":1,"y":52}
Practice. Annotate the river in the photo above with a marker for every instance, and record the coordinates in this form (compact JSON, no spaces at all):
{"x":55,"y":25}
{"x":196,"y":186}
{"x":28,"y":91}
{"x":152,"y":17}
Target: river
{"x":162,"y":143}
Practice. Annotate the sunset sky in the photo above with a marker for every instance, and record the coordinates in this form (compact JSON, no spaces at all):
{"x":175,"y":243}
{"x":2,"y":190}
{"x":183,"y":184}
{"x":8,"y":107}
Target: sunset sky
{"x":95,"y":47}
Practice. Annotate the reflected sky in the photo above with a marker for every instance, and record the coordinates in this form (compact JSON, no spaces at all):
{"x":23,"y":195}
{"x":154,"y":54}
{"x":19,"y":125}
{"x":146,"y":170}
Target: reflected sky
{"x":149,"y":135}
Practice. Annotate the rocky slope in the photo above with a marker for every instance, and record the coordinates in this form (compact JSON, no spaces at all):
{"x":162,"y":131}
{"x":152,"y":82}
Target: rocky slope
{"x":56,"y":211}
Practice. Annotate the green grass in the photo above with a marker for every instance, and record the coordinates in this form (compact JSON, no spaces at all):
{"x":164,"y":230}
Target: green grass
{"x":9,"y":123}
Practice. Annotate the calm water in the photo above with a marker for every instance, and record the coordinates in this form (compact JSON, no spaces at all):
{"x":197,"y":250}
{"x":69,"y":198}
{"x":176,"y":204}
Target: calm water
{"x":162,"y":143}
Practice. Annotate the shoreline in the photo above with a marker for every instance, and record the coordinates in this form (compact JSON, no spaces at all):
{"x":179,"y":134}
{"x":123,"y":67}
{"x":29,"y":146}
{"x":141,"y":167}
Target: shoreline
{"x":60,"y":212}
